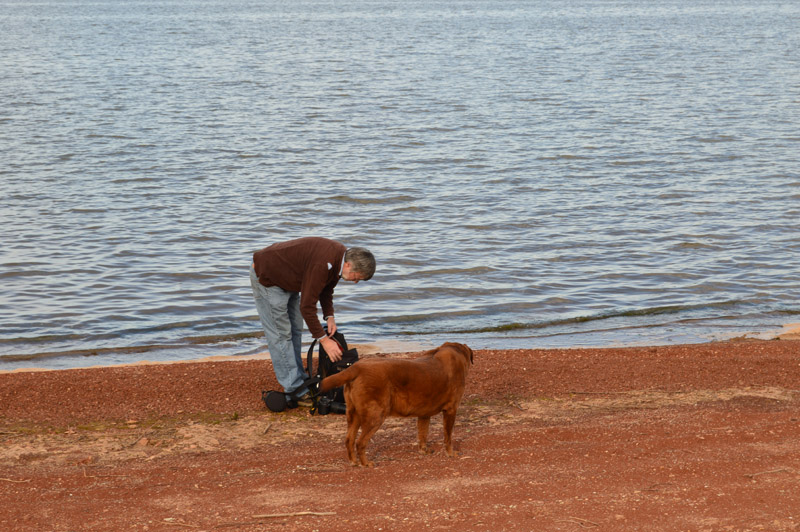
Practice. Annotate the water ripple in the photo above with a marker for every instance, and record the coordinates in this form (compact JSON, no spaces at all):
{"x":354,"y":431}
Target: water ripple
{"x":530,"y":172}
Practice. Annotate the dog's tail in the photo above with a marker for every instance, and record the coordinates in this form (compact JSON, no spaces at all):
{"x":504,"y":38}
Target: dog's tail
{"x":339,"y":379}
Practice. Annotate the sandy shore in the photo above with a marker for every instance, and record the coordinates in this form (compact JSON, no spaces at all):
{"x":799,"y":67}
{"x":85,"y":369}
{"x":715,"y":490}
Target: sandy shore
{"x":695,"y":437}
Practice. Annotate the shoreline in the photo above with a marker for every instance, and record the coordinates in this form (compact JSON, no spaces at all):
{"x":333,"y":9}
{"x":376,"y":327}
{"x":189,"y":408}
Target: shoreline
{"x":789,"y":331}
{"x":235,"y":384}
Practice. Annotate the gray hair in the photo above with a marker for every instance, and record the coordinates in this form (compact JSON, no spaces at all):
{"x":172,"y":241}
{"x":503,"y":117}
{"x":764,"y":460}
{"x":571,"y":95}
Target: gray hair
{"x":362,"y":261}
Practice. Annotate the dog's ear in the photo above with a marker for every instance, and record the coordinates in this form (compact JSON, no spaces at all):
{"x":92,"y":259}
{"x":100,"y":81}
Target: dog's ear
{"x":467,"y":352}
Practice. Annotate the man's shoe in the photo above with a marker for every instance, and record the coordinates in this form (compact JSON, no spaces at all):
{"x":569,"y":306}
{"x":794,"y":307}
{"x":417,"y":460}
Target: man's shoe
{"x":305,"y":400}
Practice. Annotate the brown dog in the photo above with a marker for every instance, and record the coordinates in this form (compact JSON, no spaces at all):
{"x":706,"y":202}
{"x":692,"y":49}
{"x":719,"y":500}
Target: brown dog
{"x":375,"y":389}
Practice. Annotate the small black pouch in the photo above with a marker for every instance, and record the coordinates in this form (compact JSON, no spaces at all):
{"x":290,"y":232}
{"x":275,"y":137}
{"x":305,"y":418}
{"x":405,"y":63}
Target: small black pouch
{"x":275,"y":401}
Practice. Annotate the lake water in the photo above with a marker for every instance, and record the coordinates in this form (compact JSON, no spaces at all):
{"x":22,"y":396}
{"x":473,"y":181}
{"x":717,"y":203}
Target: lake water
{"x":528,"y":174}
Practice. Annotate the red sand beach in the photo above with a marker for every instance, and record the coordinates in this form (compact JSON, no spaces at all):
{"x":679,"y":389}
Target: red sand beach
{"x":691,"y":437}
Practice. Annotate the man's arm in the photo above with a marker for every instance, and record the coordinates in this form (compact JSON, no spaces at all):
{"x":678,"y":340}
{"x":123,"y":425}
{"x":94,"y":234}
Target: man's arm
{"x":314,"y":290}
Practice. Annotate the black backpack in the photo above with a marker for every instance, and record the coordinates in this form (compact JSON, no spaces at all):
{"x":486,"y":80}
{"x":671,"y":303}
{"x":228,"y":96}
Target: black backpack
{"x":331,"y":401}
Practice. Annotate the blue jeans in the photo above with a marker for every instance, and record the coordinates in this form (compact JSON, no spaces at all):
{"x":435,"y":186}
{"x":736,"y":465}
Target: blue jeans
{"x":279,"y":311}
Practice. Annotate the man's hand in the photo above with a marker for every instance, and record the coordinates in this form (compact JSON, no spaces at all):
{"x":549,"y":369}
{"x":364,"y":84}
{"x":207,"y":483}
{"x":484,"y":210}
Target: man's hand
{"x":331,"y":325}
{"x":332,"y":348}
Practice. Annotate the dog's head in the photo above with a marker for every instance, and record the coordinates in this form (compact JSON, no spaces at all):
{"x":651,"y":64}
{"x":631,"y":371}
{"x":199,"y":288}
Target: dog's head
{"x":465,"y":351}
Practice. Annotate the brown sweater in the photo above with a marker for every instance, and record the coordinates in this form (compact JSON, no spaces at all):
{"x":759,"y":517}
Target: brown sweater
{"x":307,"y":265}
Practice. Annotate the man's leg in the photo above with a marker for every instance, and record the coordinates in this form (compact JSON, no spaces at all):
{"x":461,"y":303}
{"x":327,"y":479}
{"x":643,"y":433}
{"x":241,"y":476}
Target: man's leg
{"x":296,"y":319}
{"x":273,"y":305}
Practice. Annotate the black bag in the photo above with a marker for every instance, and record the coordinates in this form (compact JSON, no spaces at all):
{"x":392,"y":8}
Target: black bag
{"x":275,"y":400}
{"x":331,"y":401}
{"x":278,"y":401}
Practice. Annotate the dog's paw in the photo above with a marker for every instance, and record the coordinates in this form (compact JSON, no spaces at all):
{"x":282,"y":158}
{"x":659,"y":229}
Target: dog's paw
{"x":363,"y":461}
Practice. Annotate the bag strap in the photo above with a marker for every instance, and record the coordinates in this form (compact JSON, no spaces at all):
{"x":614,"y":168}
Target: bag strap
{"x":309,"y":356}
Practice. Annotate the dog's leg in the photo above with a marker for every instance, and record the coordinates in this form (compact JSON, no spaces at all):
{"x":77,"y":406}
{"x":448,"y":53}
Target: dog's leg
{"x":353,"y":423}
{"x":422,"y":433}
{"x":449,"y":423}
{"x":370,"y":423}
